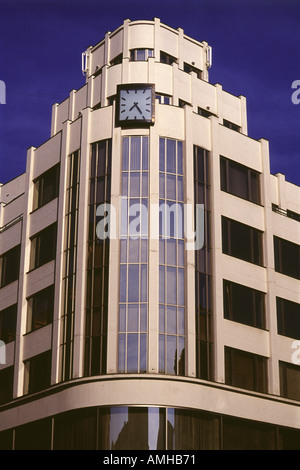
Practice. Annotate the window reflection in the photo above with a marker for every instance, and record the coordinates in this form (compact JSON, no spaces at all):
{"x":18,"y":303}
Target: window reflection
{"x":123,"y":428}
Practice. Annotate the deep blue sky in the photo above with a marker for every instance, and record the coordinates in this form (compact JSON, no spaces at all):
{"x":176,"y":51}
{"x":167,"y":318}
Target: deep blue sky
{"x":256,"y":53}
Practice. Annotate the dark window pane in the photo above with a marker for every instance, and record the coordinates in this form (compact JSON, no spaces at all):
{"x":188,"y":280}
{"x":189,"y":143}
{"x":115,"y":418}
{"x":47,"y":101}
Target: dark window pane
{"x":8,"y":319}
{"x":245,"y":370}
{"x":6,"y":440}
{"x":289,"y":439}
{"x":76,"y":430}
{"x":241,"y":241}
{"x":34,"y":436}
{"x":255,"y":190}
{"x":39,"y":372}
{"x":239,"y":180}
{"x":46,"y":187}
{"x":241,"y":434}
{"x":6,"y":384}
{"x":243,"y":304}
{"x":289,"y":380}
{"x":10,"y":266}
{"x":40,"y":309}
{"x":288,"y":318}
{"x":287,"y":257}
{"x":43,"y":246}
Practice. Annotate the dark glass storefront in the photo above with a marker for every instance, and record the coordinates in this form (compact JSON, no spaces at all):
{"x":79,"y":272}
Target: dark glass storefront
{"x":147,"y":428}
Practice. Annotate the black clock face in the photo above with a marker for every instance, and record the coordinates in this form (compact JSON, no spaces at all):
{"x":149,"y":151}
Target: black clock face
{"x":135,"y":105}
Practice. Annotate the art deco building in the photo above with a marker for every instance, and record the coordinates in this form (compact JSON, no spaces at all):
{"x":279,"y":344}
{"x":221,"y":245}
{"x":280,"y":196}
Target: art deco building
{"x":132,"y":338}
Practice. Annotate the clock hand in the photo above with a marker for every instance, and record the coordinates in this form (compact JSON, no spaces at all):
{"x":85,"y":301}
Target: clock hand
{"x":138,"y":109}
{"x":134,"y":105}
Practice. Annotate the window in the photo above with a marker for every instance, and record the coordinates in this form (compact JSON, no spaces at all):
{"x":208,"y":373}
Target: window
{"x":133,"y":296}
{"x":189,"y":68}
{"x":141,"y":54}
{"x":288,"y":318}
{"x":245,"y":370}
{"x":40,"y":309}
{"x":231,"y":125}
{"x":286,"y":212}
{"x":46,"y":187}
{"x":10,"y":266}
{"x":289,"y":380}
{"x":241,"y":434}
{"x":97,"y":264}
{"x":182,"y":103}
{"x":8,"y":319}
{"x":239,"y":180}
{"x":204,"y":112}
{"x":6,"y":384}
{"x":37,"y":373}
{"x":43,"y":247}
{"x":167,"y":58}
{"x":244,"y":305}
{"x":163,"y":99}
{"x":287,"y":257}
{"x":242,"y":241}
{"x":203,"y":304}
{"x":76,"y":430}
{"x":191,"y":429}
{"x":117,"y":60}
{"x":171,"y":258}
{"x":34,"y":436}
{"x":70,"y":263}
{"x":123,"y":428}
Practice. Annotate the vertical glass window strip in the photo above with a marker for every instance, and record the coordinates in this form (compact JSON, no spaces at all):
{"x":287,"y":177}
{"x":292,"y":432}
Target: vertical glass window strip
{"x":204,"y":324}
{"x":171,"y":259}
{"x":98,"y":263}
{"x":133,"y":295}
{"x":70,"y":258}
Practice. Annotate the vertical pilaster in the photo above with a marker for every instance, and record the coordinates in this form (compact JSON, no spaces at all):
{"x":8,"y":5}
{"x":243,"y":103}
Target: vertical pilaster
{"x":54,"y":119}
{"x":268,"y":250}
{"x":243,"y":108}
{"x":281,"y":190}
{"x":189,"y":254}
{"x":81,"y":263}
{"x":58,"y":294}
{"x":216,"y":250}
{"x":157,"y":39}
{"x":114,"y":257}
{"x":153,"y":262}
{"x":22,"y":287}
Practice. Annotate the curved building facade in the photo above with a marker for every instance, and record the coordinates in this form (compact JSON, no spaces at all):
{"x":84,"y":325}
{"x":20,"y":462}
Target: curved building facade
{"x":149,"y":283}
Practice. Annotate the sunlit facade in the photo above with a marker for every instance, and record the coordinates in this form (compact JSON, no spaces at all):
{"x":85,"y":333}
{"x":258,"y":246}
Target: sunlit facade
{"x":120,"y":331}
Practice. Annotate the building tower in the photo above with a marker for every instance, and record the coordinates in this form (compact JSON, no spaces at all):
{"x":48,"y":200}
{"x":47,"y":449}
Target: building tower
{"x":122,"y":330}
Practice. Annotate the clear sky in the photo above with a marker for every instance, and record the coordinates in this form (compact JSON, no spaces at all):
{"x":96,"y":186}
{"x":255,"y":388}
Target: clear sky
{"x":256,"y":53}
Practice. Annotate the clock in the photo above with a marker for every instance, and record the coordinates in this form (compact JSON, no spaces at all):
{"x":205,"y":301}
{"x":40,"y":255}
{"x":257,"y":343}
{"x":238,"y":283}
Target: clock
{"x":135,"y":105}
